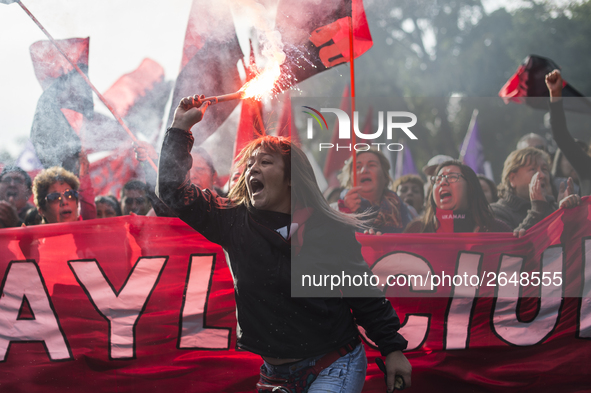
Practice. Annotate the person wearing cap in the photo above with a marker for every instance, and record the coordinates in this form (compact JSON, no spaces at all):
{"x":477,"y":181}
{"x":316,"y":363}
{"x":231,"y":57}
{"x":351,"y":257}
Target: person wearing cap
{"x":15,"y":191}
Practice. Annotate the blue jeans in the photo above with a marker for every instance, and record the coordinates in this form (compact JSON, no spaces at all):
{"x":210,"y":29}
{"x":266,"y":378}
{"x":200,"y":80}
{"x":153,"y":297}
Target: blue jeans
{"x":345,"y":375}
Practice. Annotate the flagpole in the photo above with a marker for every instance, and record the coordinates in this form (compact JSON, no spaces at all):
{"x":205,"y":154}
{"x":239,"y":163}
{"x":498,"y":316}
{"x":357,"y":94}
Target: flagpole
{"x":88,"y":82}
{"x":464,"y":148}
{"x":352,"y":71}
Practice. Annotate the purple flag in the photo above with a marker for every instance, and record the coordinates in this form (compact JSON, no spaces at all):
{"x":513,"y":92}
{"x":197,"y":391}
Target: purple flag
{"x":472,"y":152}
{"x":405,"y":165}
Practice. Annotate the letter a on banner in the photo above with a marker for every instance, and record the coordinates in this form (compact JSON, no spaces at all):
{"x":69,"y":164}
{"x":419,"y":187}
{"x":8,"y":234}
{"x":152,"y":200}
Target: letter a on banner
{"x":23,"y":281}
{"x":122,"y":309}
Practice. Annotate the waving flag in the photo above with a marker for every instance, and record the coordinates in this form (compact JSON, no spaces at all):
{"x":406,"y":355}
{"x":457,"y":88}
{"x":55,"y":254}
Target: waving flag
{"x":287,"y":127}
{"x":405,"y":164}
{"x":66,"y":99}
{"x":472,"y":152}
{"x":336,"y":158}
{"x":209,"y":65}
{"x":529,"y":82}
{"x":316,"y":35}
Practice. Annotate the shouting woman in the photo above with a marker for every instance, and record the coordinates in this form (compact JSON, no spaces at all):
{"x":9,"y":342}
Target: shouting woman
{"x":276,"y":218}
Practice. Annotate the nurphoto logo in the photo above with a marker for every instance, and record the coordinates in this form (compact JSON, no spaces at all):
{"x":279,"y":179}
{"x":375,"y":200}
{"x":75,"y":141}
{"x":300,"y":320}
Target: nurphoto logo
{"x":394,"y":120}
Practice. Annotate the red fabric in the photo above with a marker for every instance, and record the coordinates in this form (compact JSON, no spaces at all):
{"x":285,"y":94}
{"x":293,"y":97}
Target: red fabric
{"x":48,"y":62}
{"x":209,"y":63}
{"x":316,"y":35}
{"x":287,"y":127}
{"x":250,"y":126}
{"x":335,"y":159}
{"x":483,"y":360}
{"x":109,"y":174}
{"x":125,"y":92}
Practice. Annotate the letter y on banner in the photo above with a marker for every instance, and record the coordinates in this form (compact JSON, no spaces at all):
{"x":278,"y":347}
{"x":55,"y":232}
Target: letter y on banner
{"x":122,"y":309}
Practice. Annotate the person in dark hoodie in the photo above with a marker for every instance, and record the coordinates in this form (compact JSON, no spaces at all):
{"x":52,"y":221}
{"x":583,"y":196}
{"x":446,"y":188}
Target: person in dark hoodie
{"x":276,"y":218}
{"x":576,"y":154}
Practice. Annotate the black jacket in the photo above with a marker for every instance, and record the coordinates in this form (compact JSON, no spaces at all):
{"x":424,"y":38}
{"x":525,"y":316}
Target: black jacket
{"x":270,"y":321}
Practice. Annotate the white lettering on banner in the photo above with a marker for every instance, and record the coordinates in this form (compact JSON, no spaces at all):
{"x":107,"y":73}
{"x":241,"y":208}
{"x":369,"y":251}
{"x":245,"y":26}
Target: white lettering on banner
{"x":459,"y":312}
{"x":417,"y":270}
{"x":506,"y":323}
{"x":122,"y":310}
{"x":22,"y":281}
{"x":193,"y":333}
{"x":584,"y":330}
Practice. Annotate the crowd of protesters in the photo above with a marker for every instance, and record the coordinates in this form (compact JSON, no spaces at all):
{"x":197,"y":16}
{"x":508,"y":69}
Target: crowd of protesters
{"x":453,"y":198}
{"x":274,"y":191}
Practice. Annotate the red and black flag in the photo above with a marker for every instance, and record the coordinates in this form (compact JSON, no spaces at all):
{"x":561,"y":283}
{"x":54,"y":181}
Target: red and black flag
{"x":139,"y":98}
{"x":210,"y":63}
{"x":315,"y":35}
{"x":529,"y":83}
{"x":66,"y":99}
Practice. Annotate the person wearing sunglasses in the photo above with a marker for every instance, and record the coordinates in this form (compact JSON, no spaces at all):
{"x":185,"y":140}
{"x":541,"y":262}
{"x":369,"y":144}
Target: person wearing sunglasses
{"x":56,"y":195}
{"x":456,"y":203}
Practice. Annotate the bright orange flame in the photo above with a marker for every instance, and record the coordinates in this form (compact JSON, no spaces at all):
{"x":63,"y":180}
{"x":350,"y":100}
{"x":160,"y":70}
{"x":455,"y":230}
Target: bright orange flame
{"x":262,"y":83}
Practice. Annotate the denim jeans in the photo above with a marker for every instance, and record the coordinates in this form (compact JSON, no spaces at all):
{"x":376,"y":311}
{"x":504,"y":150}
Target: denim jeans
{"x":345,"y":375}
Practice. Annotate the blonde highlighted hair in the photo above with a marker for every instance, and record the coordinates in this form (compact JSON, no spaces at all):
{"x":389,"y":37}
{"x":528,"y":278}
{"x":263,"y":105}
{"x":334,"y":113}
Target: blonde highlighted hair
{"x":515,"y":160}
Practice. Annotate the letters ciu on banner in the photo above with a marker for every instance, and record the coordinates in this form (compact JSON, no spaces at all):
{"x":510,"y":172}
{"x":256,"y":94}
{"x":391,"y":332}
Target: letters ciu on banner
{"x":139,"y":303}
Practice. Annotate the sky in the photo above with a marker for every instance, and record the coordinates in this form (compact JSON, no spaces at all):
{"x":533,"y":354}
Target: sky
{"x":122,"y":33}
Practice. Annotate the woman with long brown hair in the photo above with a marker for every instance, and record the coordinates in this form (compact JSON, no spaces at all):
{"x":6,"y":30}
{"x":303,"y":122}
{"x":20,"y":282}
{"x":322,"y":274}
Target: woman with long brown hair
{"x":276,"y":220}
{"x":457,"y":203}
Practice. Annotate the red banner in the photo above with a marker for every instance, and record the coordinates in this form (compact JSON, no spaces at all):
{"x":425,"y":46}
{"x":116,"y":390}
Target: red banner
{"x":136,"y":303}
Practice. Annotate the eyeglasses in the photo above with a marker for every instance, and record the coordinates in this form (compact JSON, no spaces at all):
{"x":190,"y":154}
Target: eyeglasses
{"x":450,"y":177}
{"x":15,"y":180}
{"x":139,"y":200}
{"x":56,"y":196}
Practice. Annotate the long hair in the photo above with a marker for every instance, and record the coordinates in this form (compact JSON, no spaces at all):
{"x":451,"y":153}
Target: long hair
{"x":297,"y":169}
{"x":515,"y":160}
{"x":478,"y":206}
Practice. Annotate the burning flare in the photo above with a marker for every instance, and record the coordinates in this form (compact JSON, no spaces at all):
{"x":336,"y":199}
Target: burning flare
{"x":255,"y":88}
{"x":262,"y":83}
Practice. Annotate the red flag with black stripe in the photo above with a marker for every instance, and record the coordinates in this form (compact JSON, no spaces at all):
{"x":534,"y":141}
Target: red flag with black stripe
{"x":209,"y":65}
{"x":528,"y":83}
{"x":315,"y":35}
{"x":66,"y":99}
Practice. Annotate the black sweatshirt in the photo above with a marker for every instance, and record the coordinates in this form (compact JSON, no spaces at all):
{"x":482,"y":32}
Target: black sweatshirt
{"x":270,"y":321}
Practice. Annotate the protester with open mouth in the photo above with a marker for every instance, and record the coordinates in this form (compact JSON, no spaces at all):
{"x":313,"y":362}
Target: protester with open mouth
{"x":457,"y":203}
{"x":371,"y":194}
{"x":56,"y":195}
{"x":276,"y":218}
